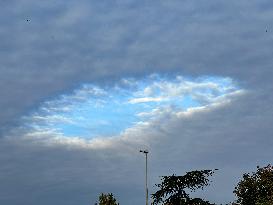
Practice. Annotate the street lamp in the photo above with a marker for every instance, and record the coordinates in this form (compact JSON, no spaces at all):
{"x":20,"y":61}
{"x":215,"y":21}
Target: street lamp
{"x":146,"y":171}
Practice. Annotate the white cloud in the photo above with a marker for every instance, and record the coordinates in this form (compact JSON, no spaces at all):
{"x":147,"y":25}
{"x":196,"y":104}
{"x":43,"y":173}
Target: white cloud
{"x":90,"y":110}
{"x":146,"y":99}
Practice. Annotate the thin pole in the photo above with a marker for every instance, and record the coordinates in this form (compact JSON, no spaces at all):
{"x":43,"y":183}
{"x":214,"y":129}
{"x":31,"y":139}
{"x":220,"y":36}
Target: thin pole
{"x":146,"y":174}
{"x":146,"y":155}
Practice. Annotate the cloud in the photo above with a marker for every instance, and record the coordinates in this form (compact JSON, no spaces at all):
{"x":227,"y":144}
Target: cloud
{"x":215,"y":137}
{"x":66,"y":44}
{"x":88,"y":112}
{"x":44,"y":55}
{"x":143,"y":100}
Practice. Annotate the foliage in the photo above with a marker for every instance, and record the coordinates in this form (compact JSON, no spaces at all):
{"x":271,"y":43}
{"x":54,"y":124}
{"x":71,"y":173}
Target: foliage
{"x":107,"y":199}
{"x":256,"y":188}
{"x":172,"y":189}
{"x":264,"y":203}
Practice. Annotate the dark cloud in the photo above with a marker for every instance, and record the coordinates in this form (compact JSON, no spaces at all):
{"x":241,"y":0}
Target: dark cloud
{"x":232,"y":138}
{"x":67,"y":43}
{"x":50,"y":48}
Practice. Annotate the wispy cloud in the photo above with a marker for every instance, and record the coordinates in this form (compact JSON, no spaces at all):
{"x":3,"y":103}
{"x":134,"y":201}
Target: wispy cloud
{"x":145,"y":99}
{"x":98,"y":112}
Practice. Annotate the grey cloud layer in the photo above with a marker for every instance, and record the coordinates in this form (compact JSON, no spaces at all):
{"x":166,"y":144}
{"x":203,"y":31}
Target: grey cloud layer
{"x":50,"y":47}
{"x":232,"y":138}
{"x":66,"y":43}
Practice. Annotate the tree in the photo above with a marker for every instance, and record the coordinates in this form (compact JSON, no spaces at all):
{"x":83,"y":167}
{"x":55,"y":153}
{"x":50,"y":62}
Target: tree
{"x":256,"y":188}
{"x":172,"y":189}
{"x":107,"y":199}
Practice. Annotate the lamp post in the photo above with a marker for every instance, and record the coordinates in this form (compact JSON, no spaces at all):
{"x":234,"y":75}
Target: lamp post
{"x":146,"y":173}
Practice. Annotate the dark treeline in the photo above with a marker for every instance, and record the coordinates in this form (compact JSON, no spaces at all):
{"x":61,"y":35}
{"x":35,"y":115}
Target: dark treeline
{"x":254,"y":188}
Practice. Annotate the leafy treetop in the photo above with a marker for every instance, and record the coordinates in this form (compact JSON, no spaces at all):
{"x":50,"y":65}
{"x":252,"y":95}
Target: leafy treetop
{"x":172,"y":189}
{"x":107,"y":199}
{"x":256,"y":188}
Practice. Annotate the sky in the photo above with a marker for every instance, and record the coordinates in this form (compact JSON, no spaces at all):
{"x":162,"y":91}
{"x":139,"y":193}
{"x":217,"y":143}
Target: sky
{"x":84,"y":85}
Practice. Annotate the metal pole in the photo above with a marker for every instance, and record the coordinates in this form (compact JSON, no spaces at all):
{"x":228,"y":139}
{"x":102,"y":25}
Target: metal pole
{"x":146,"y":174}
{"x":146,"y":178}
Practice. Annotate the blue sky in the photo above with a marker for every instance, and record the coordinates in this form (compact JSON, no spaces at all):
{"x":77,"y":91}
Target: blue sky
{"x":94,"y":112}
{"x":85,"y":84}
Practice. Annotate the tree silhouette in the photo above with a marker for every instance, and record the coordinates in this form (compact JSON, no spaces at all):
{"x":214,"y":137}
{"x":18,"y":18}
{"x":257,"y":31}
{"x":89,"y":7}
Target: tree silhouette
{"x":172,"y":189}
{"x":256,"y":188}
{"x":107,"y":199}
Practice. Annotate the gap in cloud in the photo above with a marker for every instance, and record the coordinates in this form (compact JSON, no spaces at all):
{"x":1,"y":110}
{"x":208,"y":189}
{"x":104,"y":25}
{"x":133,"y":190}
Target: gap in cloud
{"x":92,"y":111}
